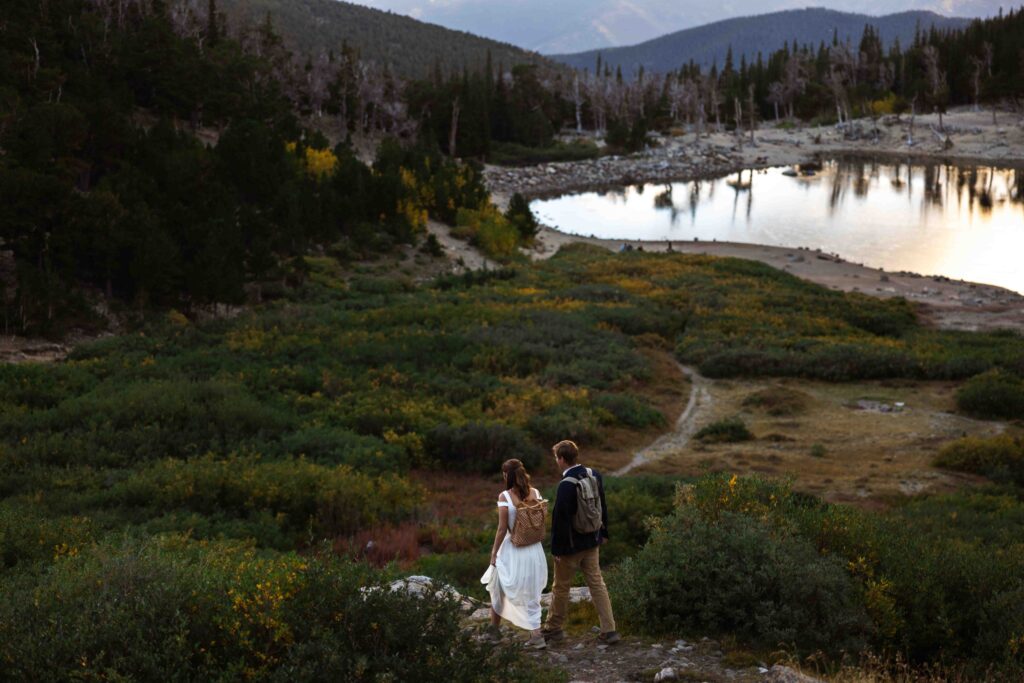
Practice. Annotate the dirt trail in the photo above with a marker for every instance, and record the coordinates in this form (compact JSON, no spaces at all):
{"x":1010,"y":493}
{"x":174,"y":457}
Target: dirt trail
{"x":686,"y":425}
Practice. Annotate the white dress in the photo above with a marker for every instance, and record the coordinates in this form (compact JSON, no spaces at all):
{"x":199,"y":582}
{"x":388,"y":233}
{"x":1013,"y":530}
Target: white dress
{"x":519,"y":577}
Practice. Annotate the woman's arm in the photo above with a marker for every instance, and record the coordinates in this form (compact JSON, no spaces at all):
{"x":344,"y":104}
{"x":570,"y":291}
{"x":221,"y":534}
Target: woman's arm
{"x":499,"y":535}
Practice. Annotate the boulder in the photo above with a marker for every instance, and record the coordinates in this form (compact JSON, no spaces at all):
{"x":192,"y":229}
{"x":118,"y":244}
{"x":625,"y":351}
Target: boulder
{"x":783,"y":674}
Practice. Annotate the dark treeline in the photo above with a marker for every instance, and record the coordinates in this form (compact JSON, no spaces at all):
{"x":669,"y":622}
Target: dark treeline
{"x":829,"y":82}
{"x":150,"y":155}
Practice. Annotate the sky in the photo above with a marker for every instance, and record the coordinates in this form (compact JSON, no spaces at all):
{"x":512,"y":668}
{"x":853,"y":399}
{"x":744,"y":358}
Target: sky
{"x":559,"y":26}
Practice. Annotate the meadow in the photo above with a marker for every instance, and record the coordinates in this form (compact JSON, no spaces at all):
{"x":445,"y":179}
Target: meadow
{"x":228,"y":476}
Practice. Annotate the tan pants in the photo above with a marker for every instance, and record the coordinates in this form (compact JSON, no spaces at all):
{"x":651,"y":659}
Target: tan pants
{"x":565,"y":571}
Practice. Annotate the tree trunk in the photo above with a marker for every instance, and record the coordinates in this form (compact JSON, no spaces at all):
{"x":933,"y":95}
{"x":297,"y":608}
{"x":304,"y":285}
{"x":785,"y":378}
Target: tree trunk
{"x":453,"y":134}
{"x":739,"y":121}
{"x":913,"y":112}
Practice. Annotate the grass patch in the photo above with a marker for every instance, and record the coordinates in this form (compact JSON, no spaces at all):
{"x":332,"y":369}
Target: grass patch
{"x":778,"y":401}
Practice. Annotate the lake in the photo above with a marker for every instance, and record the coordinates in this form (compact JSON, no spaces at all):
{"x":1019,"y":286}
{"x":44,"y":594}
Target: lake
{"x":961,"y":222}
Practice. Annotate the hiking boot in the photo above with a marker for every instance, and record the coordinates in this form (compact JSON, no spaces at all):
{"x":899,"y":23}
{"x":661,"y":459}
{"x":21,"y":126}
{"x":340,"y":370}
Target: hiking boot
{"x":492,"y":633}
{"x":537,"y":643}
{"x":609,"y":638}
{"x":552,"y":636}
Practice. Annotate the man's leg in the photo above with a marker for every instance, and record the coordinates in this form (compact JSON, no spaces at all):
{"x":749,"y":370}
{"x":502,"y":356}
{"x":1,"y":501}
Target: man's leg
{"x":590,"y":563}
{"x":565,"y":570}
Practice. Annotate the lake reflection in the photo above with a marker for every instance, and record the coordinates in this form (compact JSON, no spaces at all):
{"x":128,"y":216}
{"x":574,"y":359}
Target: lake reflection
{"x":961,"y":222}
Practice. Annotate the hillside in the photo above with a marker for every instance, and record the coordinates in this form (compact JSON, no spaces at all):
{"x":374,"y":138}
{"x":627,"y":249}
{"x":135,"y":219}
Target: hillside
{"x":765,"y":33}
{"x":410,"y":47}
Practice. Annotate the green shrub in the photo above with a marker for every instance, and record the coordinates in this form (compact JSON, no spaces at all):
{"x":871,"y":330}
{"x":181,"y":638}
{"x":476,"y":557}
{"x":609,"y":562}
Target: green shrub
{"x":480,"y":447}
{"x":497,"y":237}
{"x":735,"y":575}
{"x":929,"y":574}
{"x":513,"y":154}
{"x":992,"y":395}
{"x":1000,"y":458}
{"x":29,"y":535}
{"x":729,"y":430}
{"x":633,"y":502}
{"x":302,"y":497}
{"x":333,"y":446}
{"x":567,"y":420}
{"x":172,"y":609}
{"x":630,"y":410}
{"x":521,"y":216}
{"x":126,"y":423}
{"x":818,"y":451}
{"x":432,"y":247}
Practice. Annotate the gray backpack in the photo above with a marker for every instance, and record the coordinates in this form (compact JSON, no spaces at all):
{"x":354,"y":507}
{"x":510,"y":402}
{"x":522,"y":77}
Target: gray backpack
{"x":588,"y":504}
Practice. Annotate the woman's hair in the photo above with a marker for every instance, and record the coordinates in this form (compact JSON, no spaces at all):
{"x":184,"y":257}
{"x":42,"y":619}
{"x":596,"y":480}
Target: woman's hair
{"x":517,"y":478}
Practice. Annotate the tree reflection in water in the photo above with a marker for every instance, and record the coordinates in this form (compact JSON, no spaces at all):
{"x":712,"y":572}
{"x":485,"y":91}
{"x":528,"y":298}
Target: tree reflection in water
{"x":959,"y":221}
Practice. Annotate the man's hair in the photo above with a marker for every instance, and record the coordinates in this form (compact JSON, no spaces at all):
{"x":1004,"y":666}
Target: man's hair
{"x":567,"y":451}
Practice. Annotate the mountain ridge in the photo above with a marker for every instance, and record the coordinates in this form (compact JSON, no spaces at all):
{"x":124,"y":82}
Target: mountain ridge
{"x":410,"y":47}
{"x":763,"y":33}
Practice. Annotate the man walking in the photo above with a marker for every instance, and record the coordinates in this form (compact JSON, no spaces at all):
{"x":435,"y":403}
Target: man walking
{"x":579,"y":525}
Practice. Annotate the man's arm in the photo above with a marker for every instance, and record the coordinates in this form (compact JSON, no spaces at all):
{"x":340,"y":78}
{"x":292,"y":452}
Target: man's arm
{"x":561,"y":519}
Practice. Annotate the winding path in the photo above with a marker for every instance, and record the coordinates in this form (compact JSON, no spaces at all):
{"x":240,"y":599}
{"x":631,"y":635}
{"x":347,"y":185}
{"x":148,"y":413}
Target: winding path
{"x":685,"y":427}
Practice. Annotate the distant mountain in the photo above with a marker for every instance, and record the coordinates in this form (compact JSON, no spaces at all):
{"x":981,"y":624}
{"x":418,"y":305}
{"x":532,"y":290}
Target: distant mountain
{"x":410,"y":47}
{"x":750,"y":35}
{"x":569,"y":26}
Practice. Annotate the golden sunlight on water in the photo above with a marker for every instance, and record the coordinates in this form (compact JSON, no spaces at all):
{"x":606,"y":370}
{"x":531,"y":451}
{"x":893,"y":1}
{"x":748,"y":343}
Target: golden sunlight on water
{"x":961,"y":222}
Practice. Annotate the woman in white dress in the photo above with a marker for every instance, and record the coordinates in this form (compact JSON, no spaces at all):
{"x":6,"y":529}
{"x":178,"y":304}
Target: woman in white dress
{"x":520,"y":572}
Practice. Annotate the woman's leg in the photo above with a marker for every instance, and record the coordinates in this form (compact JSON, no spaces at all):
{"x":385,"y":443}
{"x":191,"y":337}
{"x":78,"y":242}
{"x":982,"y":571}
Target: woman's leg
{"x":495,"y":618}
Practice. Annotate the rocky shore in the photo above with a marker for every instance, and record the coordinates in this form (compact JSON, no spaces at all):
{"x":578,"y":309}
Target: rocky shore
{"x":974,"y":140}
{"x":674,"y":162}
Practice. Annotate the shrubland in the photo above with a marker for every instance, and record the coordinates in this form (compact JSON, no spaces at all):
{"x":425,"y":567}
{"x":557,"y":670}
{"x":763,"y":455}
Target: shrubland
{"x":172,"y":608}
{"x":935,"y":580}
{"x":315,"y":417}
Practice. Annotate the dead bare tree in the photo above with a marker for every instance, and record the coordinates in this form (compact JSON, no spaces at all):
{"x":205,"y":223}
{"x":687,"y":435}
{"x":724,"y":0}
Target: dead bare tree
{"x":577,"y":100}
{"x":714,"y":99}
{"x":752,"y":116}
{"x":739,"y":121}
{"x":794,"y":80}
{"x":841,"y":64}
{"x":776,"y":96}
{"x":936,"y":78}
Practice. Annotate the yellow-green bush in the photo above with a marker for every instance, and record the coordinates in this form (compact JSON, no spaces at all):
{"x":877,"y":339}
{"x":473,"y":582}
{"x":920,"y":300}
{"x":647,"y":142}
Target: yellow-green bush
{"x":488,"y":229}
{"x":179,"y":610}
{"x":1000,"y":458}
{"x":303,"y":496}
{"x":993,"y":394}
{"x":934,"y":578}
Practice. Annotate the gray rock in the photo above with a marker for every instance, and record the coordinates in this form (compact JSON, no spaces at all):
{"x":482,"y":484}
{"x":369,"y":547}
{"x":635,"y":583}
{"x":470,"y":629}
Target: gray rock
{"x":666,"y":674}
{"x":783,"y":674}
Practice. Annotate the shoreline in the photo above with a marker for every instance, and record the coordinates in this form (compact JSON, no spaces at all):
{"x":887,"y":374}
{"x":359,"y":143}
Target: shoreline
{"x":976,"y":142}
{"x":943,"y":302}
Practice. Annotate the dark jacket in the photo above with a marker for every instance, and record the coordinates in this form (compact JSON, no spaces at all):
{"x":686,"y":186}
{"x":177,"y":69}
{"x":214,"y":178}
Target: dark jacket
{"x":564,"y":539}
